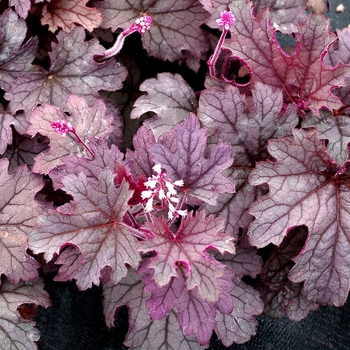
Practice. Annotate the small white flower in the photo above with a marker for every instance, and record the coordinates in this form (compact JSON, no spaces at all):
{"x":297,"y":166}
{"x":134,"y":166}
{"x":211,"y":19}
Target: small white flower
{"x":146,"y":194}
{"x":161,"y":194}
{"x":182,"y":212}
{"x":170,"y":187}
{"x":149,"y":205}
{"x":151,"y":183}
{"x":171,"y":207}
{"x":179,"y":183}
{"x":157,"y":168}
{"x":174,"y":199}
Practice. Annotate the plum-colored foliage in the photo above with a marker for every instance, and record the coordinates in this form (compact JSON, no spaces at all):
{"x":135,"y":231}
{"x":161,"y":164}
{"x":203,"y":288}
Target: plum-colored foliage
{"x":134,"y":167}
{"x":253,"y":40}
{"x":64,"y":13}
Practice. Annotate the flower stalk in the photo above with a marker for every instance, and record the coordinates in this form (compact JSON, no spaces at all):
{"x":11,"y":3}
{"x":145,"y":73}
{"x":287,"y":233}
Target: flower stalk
{"x":140,"y":25}
{"x":226,"y":21}
{"x":63,"y":128}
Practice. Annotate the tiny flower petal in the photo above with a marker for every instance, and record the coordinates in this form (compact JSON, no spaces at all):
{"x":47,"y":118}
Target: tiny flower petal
{"x":170,"y":187}
{"x":161,"y":194}
{"x":182,"y":212}
{"x":62,"y":127}
{"x":151,"y":183}
{"x":149,"y":205}
{"x":174,"y":199}
{"x":179,"y":183}
{"x":146,"y":194}
{"x":157,"y":168}
{"x":171,"y":207}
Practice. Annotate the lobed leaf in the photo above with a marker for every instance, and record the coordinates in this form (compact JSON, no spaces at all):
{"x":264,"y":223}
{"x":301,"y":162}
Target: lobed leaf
{"x":305,"y":187}
{"x":170,"y":97}
{"x":95,"y":226}
{"x":17,"y":219}
{"x":253,"y":40}
{"x":72,"y":71}
{"x":21,"y":6}
{"x":333,"y":128}
{"x":105,"y":157}
{"x":240,"y":325}
{"x":182,"y":153}
{"x":143,"y":332}
{"x":15,"y":58}
{"x":246,"y":124}
{"x":195,"y":315}
{"x":188,"y":248}
{"x":175,"y":34}
{"x":16,"y":333}
{"x":286,"y":15}
{"x":139,"y":161}
{"x":64,"y":13}
{"x":89,"y":122}
{"x":281,"y":296}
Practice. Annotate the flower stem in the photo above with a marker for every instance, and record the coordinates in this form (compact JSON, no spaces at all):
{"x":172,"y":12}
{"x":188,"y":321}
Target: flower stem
{"x":84,"y":144}
{"x":214,"y":57}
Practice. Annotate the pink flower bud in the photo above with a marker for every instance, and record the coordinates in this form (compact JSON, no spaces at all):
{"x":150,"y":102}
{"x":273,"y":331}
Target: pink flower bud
{"x":143,"y":24}
{"x":226,"y":19}
{"x":62,"y":127}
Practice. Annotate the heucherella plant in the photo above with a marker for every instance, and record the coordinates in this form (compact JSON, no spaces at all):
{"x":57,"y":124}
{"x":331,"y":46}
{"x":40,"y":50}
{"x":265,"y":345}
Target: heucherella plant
{"x":161,"y":182}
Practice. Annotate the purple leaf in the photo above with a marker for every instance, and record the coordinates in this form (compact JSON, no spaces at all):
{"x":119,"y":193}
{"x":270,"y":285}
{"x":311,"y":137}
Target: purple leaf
{"x":336,"y":129}
{"x":246,"y":262}
{"x":182,"y":153}
{"x":126,"y":97}
{"x":174,"y":34}
{"x":170,"y":97}
{"x":15,"y":58}
{"x":143,"y":332}
{"x":21,"y":6}
{"x":240,"y":325}
{"x":16,"y":333}
{"x":281,"y":296}
{"x":253,"y":40}
{"x":140,"y":161}
{"x":129,"y":292}
{"x":246,"y":124}
{"x":6,"y":120}
{"x":196,"y":316}
{"x":17,"y":191}
{"x":95,"y":226}
{"x":65,"y":13}
{"x":286,"y":15}
{"x":24,"y":149}
{"x":339,"y":50}
{"x":89,"y":122}
{"x":70,"y":260}
{"x":105,"y":157}
{"x":188,"y":248}
{"x":305,"y":187}
{"x":72,"y":71}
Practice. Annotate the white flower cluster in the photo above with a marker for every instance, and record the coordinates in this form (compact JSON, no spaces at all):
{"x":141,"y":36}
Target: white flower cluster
{"x":161,"y":187}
